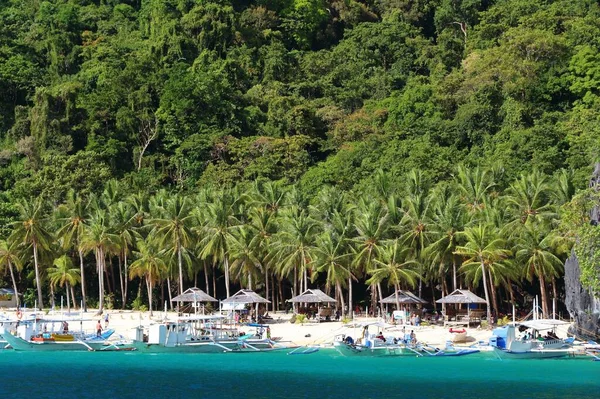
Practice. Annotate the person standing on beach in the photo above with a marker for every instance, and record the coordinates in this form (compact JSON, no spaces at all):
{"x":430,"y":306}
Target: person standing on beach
{"x":99,"y":329}
{"x":106,"y":321}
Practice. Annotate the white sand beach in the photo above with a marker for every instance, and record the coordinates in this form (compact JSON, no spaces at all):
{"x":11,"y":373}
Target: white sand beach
{"x":309,"y":333}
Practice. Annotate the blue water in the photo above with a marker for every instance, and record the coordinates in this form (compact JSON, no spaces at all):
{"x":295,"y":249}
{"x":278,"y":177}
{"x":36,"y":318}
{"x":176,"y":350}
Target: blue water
{"x":275,"y":375}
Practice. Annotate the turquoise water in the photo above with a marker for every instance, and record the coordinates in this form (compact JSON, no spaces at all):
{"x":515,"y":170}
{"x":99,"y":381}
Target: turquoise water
{"x":275,"y":375}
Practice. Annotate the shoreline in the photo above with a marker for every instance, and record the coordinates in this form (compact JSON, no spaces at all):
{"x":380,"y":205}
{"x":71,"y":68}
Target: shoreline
{"x":309,"y":333}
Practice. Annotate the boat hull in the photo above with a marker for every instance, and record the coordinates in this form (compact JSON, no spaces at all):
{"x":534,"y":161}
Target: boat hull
{"x":206,"y":346}
{"x":533,"y":354}
{"x":387,"y":350}
{"x":92,"y":344}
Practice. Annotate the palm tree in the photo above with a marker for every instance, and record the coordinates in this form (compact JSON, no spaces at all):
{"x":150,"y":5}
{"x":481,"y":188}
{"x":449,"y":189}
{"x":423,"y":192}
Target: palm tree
{"x":9,"y":257}
{"x":149,"y":265}
{"x":293,"y":245}
{"x":535,"y":246}
{"x":483,"y":249}
{"x":123,"y":219}
{"x":243,"y":249}
{"x":99,"y":238}
{"x":72,"y":217}
{"x":416,"y":225}
{"x":474,"y":186}
{"x":371,"y":226}
{"x":394,"y":267}
{"x":173,"y":228}
{"x":220,"y":221}
{"x":529,"y":198}
{"x":30,"y":230}
{"x":333,"y":257}
{"x":63,"y":273}
{"x":448,"y":220}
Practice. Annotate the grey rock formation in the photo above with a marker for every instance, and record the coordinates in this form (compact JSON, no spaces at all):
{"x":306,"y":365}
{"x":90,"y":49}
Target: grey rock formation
{"x":581,"y":304}
{"x":583,"y":307}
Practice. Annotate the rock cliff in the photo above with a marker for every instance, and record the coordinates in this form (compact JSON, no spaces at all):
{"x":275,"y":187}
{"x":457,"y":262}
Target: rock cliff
{"x":581,"y":304}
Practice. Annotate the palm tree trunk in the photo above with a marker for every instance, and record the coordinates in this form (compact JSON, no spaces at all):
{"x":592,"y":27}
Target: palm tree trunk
{"x":454,"y":286}
{"x":350,"y":304}
{"x":544,"y":296}
{"x":340,"y":293}
{"x":206,"y":277}
{"x":68,"y":297}
{"x":83,"y":297}
{"x":14,"y":281}
{"x":494,"y":293}
{"x":149,"y":286}
{"x":38,"y":280}
{"x":169,"y":291}
{"x":396,"y":288}
{"x":121,"y":280}
{"x":273,"y":295}
{"x":487,"y":295}
{"x":125,"y":278}
{"x":73,"y":297}
{"x":180,"y":263}
{"x":380,"y":295}
{"x":294,"y":287}
{"x":226,"y":261}
{"x":267,"y":286}
{"x":214,"y":282}
{"x":100,"y":261}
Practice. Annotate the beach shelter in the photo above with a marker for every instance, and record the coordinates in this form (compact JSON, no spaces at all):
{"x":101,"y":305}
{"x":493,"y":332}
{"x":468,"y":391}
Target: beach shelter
{"x":194,"y":295}
{"x":315,"y":295}
{"x":245,"y":297}
{"x":461,"y":296}
{"x":312,"y":295}
{"x":404,"y":297}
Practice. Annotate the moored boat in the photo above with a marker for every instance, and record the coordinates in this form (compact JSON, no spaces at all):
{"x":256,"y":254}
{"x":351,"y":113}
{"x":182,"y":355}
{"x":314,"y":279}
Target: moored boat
{"x":531,"y":343}
{"x":203,"y":334}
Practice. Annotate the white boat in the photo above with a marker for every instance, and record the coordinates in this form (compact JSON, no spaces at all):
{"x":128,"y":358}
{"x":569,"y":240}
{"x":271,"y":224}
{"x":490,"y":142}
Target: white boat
{"x":374,"y":344}
{"x":535,"y":339}
{"x":203,"y":334}
{"x":37,"y":334}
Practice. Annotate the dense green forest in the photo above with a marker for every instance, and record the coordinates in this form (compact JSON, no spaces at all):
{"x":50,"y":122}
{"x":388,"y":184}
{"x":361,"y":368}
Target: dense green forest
{"x":152,"y":145}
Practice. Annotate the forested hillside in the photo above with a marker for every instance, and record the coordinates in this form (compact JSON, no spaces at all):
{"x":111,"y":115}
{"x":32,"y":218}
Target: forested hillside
{"x":293,"y":139}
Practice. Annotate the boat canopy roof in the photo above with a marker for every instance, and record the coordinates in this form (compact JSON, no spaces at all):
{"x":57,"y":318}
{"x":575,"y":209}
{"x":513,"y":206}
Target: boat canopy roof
{"x":543,"y":324}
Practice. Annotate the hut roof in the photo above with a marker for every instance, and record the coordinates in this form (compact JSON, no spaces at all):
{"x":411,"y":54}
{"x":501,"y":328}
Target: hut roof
{"x":194,"y":295}
{"x":312,"y":295}
{"x":245,"y":296}
{"x":403,"y":297}
{"x":461,"y":296}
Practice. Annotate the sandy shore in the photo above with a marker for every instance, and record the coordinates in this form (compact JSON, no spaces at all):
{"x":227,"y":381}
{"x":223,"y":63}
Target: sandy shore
{"x":309,"y":333}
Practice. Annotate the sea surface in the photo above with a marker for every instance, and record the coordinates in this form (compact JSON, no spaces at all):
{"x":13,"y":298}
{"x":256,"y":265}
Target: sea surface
{"x":323,"y":374}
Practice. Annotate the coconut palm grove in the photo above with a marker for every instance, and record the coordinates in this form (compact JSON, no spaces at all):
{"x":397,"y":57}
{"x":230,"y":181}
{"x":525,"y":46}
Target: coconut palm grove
{"x":358,"y":146}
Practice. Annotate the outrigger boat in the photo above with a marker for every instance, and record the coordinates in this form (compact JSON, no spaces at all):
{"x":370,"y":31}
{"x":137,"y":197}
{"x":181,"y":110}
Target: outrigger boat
{"x":27,"y":338}
{"x":531,"y":343}
{"x":203,"y":334}
{"x":377,"y":345}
